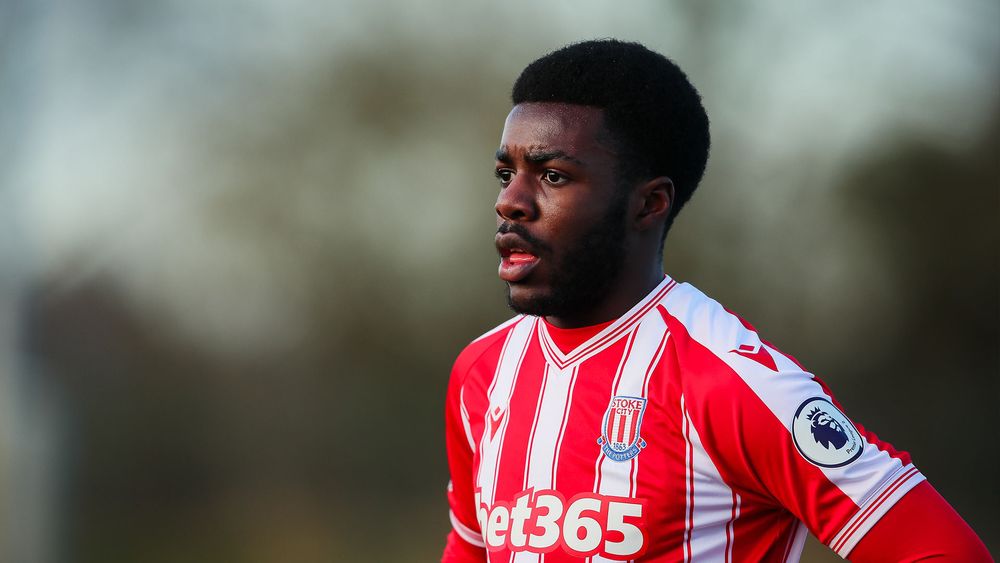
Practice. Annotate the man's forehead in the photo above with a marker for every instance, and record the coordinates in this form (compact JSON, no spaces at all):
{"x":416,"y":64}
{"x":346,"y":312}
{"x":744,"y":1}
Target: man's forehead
{"x":542,"y":128}
{"x":555,"y":115}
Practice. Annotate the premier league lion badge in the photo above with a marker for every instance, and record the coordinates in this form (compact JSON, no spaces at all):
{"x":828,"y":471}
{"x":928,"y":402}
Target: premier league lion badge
{"x":620,"y":439}
{"x":824,"y":435}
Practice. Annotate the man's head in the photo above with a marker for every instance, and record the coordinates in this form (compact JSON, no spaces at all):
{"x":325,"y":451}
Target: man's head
{"x":606,"y":141}
{"x":652,"y":112}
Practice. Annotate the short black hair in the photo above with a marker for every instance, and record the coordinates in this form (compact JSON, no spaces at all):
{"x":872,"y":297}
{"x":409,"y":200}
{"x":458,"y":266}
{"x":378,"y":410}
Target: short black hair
{"x":651,"y":110}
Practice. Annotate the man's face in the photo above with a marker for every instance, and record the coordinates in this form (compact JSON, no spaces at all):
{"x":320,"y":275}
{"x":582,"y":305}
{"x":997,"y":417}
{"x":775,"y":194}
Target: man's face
{"x":560,"y":212}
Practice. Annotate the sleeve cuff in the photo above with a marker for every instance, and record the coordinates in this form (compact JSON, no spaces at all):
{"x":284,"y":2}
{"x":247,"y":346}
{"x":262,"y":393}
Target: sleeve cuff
{"x":466,"y":533}
{"x":870,"y":511}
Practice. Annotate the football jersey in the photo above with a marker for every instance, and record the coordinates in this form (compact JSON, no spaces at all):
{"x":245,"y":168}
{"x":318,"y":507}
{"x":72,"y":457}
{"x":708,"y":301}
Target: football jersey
{"x":675,"y":433}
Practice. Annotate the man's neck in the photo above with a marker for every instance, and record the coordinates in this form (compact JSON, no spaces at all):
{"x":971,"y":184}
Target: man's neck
{"x":629,"y":290}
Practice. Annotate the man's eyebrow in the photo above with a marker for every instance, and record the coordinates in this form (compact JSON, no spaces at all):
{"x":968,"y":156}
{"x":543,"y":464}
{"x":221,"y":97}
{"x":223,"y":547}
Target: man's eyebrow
{"x":547,"y":155}
{"x":538,"y":156}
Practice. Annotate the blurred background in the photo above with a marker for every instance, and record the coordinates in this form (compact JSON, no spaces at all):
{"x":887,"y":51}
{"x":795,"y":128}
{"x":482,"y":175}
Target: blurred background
{"x":242,"y":242}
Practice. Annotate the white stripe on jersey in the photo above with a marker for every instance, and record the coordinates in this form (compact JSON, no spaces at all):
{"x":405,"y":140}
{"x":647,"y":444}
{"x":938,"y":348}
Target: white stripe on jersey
{"x":712,"y":506}
{"x":500,"y":391}
{"x":550,"y":423}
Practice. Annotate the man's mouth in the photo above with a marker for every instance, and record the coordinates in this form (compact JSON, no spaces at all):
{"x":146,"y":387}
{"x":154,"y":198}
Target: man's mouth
{"x":516,"y":264}
{"x":517,"y":259}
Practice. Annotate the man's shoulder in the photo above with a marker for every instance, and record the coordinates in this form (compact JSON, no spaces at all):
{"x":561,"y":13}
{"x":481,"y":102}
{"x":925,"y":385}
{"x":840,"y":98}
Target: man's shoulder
{"x":478,"y":347}
{"x":690,"y":313}
{"x":691,"y":310}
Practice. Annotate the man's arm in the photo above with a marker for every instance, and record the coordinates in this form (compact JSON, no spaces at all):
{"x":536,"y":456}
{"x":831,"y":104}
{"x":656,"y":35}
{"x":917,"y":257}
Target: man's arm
{"x":778,"y":431}
{"x":465,"y":544}
{"x":922,"y":525}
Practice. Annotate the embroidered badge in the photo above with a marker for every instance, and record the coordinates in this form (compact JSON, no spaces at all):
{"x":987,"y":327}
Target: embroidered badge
{"x":824,"y":435}
{"x":620,"y":439}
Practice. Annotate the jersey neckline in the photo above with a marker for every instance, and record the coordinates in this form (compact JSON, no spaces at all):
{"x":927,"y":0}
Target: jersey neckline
{"x":605,"y":336}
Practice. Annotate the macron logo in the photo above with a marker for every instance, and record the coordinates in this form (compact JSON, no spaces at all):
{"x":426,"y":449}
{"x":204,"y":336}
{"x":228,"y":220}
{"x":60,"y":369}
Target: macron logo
{"x":496,"y":418}
{"x":758,"y":354}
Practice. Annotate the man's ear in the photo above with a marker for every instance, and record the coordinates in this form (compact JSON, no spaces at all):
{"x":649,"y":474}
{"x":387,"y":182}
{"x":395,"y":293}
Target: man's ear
{"x":655,"y":198}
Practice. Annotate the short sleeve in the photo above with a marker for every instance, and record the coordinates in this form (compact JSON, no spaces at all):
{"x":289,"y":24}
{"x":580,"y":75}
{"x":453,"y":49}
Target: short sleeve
{"x":775,"y":431}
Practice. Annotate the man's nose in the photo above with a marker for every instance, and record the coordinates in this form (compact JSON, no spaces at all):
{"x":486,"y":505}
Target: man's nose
{"x":516,"y":201}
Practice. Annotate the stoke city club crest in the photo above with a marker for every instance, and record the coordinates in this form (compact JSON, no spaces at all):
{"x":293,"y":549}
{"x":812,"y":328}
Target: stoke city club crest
{"x":620,"y":439}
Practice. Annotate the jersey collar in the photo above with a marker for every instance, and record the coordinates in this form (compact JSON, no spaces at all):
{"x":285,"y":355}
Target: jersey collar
{"x":606,"y":336}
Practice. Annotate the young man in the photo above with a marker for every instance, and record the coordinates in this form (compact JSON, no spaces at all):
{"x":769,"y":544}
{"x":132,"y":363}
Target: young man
{"x":625,"y":416}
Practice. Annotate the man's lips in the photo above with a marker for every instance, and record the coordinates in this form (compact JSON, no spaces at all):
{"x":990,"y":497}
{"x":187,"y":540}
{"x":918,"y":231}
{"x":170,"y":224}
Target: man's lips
{"x":516,"y":266}
{"x":517,"y":257}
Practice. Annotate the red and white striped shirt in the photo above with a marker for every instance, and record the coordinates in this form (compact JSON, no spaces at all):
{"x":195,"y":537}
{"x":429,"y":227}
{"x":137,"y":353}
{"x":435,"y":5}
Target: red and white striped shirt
{"x":673,"y":434}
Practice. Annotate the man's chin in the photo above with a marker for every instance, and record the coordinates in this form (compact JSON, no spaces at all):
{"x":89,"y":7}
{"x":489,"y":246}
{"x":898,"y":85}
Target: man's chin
{"x":529,"y":302}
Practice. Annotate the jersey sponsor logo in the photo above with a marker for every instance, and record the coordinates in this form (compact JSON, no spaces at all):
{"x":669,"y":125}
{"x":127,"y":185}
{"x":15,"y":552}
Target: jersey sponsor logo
{"x":824,"y":435}
{"x":620,"y":439}
{"x":587,"y":524}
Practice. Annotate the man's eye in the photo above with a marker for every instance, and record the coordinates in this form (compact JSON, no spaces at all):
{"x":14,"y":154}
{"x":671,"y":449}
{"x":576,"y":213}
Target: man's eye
{"x":504,"y":175}
{"x":553,"y":177}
